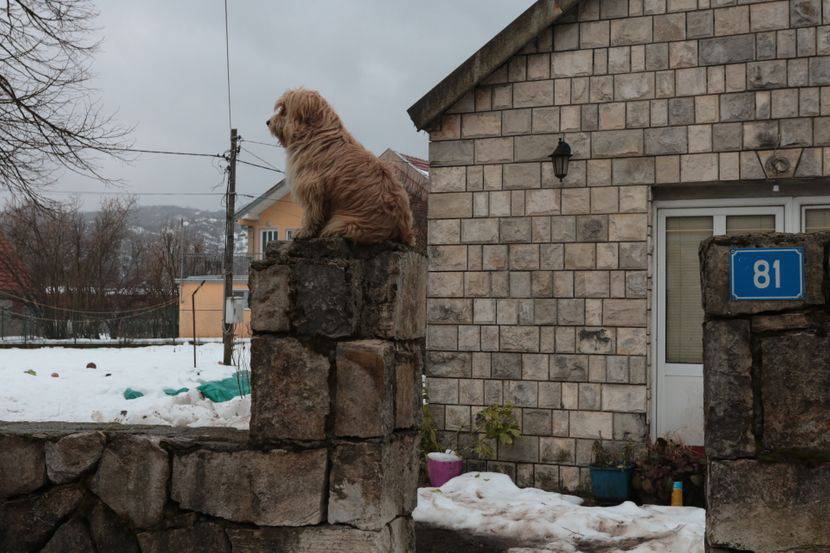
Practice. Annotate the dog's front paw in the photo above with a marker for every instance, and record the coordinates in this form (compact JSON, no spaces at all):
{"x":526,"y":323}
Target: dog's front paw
{"x":302,"y":234}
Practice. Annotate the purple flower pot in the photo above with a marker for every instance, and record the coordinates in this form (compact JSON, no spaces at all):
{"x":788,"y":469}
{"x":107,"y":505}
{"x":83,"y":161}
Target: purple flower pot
{"x":443,"y":467}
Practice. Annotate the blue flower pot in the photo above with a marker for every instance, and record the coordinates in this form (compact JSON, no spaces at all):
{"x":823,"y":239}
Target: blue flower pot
{"x":611,"y":484}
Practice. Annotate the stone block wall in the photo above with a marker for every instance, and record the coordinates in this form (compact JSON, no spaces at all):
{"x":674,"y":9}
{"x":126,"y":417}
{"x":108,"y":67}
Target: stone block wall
{"x":767,"y":406}
{"x":331,"y":459}
{"x":539,"y":290}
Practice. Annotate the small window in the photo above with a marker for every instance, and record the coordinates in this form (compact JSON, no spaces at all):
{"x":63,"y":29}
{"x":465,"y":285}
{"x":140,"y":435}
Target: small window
{"x":816,"y":219}
{"x":289,"y":233}
{"x":684,"y":314}
{"x":749,"y":224}
{"x":268,"y":236}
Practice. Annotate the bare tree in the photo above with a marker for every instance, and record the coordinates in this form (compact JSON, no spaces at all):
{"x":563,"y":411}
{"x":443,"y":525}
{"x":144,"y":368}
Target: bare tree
{"x":48,"y":119}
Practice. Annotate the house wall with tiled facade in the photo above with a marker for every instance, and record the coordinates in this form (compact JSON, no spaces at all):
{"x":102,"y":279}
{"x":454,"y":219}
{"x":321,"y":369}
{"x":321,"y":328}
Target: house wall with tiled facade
{"x":539,"y":290}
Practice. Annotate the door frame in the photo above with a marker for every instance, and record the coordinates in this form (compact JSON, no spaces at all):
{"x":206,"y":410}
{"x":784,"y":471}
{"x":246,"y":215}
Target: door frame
{"x":788,"y":214}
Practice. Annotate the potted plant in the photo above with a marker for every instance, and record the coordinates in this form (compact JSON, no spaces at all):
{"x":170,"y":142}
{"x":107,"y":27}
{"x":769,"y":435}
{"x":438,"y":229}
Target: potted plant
{"x":441,"y":466}
{"x":610,"y":473}
{"x":495,"y":424}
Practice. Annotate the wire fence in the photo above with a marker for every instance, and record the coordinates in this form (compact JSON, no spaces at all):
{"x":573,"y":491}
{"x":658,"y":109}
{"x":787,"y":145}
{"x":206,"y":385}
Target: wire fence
{"x":26,"y":323}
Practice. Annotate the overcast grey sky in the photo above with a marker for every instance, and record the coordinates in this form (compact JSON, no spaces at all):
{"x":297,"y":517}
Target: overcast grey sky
{"x":162,"y":68}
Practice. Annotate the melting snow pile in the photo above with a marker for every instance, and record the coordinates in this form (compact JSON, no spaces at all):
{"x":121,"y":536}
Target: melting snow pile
{"x":29,"y":392}
{"x":489,"y":503}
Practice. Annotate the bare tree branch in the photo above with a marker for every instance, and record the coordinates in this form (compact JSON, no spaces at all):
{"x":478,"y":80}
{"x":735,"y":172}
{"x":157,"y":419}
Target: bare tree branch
{"x":48,"y":118}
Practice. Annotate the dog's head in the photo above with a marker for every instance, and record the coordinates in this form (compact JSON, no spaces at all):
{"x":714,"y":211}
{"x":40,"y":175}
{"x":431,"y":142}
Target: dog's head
{"x":297,"y":113}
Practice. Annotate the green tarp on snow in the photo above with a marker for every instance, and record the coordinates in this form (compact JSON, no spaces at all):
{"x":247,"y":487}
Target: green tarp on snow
{"x":129,"y":393}
{"x":216,"y":390}
{"x":226,"y":389}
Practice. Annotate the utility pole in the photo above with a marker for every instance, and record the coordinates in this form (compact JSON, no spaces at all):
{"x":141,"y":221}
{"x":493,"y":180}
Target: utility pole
{"x":230,"y":201}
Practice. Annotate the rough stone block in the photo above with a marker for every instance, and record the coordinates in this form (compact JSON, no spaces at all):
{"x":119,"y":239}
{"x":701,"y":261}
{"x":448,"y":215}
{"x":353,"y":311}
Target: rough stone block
{"x":666,"y":140}
{"x":804,"y":13}
{"x":313,"y":539}
{"x":132,"y":479}
{"x":592,"y":424}
{"x":727,"y":49}
{"x":819,"y":71}
{"x":394,"y":304}
{"x":474,"y":125}
{"x":109,"y":533}
{"x":714,"y":256}
{"x":327,"y":298}
{"x":22,"y":468}
{"x":33,"y":519}
{"x":758,"y":506}
{"x":408,"y":383}
{"x":71,"y":536}
{"x":523,"y":449}
{"x":273,"y":488}
{"x":451,"y":152}
{"x":727,"y":389}
{"x":795,"y":392}
{"x":634,"y":86}
{"x":624,"y":398}
{"x":617,"y":143}
{"x":532,"y":94}
{"x":270,"y":298}
{"x":289,"y":390}
{"x":373,"y":483}
{"x":201,"y":538}
{"x":73,"y":455}
{"x":633,"y":30}
{"x":364,"y":392}
{"x":737,"y":107}
{"x":763,"y":75}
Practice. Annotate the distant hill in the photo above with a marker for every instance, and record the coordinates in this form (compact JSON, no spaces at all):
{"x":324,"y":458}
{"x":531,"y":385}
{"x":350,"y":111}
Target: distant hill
{"x":200,"y":223}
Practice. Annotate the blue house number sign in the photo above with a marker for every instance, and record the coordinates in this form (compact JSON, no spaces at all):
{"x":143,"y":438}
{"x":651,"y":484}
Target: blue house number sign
{"x":767,"y":273}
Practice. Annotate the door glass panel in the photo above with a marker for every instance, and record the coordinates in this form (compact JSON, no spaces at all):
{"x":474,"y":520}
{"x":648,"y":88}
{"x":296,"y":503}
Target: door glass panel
{"x":684,"y":313}
{"x":749,"y":224}
{"x":816,"y":220}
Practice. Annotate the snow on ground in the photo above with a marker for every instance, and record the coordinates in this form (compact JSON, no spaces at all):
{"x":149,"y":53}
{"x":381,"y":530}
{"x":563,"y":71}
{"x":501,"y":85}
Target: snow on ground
{"x":489,"y":503}
{"x":79,"y":394}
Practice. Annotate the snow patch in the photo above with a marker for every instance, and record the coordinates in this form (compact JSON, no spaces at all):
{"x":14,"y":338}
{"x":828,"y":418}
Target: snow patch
{"x":490,"y":504}
{"x":79,"y":394}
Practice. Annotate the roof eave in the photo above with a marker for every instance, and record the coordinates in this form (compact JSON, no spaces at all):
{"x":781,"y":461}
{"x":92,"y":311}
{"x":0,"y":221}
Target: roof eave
{"x":489,"y":57}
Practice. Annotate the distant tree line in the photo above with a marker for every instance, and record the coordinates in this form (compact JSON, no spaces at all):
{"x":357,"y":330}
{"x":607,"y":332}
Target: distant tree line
{"x":90,"y":274}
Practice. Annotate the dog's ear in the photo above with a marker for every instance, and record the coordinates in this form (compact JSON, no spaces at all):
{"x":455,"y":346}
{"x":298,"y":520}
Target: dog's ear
{"x":308,"y":107}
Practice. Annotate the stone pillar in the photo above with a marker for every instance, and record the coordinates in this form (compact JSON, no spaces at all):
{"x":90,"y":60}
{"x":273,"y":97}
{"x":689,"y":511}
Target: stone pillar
{"x":767,"y":405}
{"x":336,"y":369}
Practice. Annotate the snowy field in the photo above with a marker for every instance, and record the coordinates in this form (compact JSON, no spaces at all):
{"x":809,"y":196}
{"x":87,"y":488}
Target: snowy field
{"x":29,"y":392}
{"x":490,"y":504}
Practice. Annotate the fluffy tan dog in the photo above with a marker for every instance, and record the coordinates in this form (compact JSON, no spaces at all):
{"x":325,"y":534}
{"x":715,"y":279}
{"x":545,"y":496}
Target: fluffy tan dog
{"x":343,"y":188}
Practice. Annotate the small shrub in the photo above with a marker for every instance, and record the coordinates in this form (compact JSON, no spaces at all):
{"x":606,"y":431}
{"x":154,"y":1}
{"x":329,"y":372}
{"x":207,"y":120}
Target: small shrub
{"x":429,"y":432}
{"x":605,"y":458}
{"x":667,"y":461}
{"x":496,"y":423}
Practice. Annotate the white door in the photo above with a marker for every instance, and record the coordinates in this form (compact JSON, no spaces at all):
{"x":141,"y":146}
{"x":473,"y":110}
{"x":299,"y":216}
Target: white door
{"x":678,"y":330}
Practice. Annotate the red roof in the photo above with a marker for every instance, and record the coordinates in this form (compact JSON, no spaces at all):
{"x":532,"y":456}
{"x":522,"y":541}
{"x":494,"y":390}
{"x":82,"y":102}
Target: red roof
{"x":416,"y":162}
{"x":12,"y":271}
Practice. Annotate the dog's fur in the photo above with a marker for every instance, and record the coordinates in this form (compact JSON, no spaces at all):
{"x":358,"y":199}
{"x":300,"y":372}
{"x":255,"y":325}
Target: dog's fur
{"x":343,"y":188}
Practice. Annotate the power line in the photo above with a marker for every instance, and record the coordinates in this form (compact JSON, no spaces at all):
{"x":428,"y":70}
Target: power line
{"x":110,"y":193}
{"x":163,"y":152}
{"x":263,"y":143}
{"x":265,"y":161}
{"x":260,"y":166}
{"x":228,"y":64}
